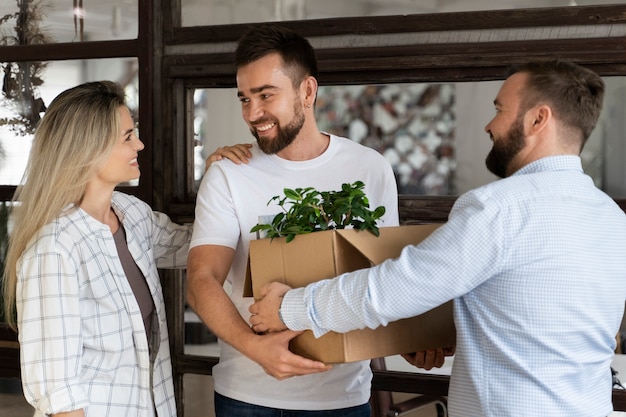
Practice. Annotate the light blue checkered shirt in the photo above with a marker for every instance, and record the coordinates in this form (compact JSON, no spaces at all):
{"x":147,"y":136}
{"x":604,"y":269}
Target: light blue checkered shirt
{"x":536,"y":264}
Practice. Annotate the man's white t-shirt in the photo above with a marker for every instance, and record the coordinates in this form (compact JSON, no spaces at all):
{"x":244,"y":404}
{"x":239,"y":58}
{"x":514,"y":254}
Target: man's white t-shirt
{"x":230,"y":200}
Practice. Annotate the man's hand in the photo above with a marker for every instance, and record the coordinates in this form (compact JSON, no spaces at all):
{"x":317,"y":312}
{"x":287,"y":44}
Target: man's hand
{"x":264,"y":312}
{"x":239,"y":154}
{"x":271,"y":351}
{"x":429,"y":359}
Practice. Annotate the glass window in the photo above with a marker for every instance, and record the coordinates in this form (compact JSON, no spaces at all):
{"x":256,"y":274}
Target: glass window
{"x":52,"y":21}
{"x":24,"y":99}
{"x":217,"y":12}
{"x":412,"y":125}
{"x":432,"y":134}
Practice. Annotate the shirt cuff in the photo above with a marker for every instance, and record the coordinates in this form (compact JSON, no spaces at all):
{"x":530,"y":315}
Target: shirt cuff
{"x":293,"y":310}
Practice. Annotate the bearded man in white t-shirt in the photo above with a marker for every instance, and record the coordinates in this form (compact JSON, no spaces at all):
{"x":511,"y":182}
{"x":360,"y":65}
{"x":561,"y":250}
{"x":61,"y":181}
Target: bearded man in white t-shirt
{"x":277,"y":86}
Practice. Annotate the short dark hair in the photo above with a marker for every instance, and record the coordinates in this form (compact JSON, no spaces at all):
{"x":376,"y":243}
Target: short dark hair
{"x":575,"y":93}
{"x":295,"y":50}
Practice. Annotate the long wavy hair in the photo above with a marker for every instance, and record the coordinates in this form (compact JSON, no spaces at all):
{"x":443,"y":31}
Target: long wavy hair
{"x":74,"y":138}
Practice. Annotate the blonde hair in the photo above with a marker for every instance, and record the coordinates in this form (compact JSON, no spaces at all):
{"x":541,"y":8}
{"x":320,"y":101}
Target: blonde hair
{"x":73,"y":139}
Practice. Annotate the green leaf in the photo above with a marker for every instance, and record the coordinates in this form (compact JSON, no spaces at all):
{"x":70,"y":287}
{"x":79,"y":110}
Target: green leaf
{"x":291,"y":194}
{"x":309,"y":210}
{"x":260,"y":227}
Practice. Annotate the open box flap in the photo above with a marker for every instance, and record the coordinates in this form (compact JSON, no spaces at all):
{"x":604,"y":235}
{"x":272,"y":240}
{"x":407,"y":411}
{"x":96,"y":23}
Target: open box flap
{"x":390,"y":242}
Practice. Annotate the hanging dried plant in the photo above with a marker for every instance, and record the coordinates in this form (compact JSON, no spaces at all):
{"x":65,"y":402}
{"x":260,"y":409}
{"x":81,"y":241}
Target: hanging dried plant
{"x":79,"y":19}
{"x":22,"y":79}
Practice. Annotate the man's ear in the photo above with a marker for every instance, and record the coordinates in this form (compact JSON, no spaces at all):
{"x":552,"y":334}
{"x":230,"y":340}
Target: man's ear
{"x":538,"y":117}
{"x":309,"y":85}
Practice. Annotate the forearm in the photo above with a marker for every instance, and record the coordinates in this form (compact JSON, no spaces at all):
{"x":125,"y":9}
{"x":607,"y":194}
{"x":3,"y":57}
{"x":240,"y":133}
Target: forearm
{"x":337,"y":305}
{"x":208,"y":267}
{"x":170,"y":242}
{"x":211,"y":303}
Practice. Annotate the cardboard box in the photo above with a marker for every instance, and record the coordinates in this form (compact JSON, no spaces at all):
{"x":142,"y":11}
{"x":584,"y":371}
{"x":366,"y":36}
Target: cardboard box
{"x":311,"y":257}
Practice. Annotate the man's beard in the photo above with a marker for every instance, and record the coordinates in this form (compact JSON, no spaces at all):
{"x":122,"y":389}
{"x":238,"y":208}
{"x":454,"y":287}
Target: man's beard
{"x":285,"y":136}
{"x":505,"y":149}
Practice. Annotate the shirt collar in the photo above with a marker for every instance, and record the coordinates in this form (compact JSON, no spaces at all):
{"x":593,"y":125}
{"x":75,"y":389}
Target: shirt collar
{"x":552,"y":163}
{"x":77,"y":214}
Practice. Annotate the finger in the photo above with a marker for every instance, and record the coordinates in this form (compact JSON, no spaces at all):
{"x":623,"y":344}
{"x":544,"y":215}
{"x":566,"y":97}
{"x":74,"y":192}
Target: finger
{"x":237,"y":157}
{"x":260,"y":328}
{"x":299,"y":366}
{"x":409,"y":357}
{"x":439,"y":358}
{"x":269,"y":287}
{"x":430,"y":359}
{"x":275,"y":375}
{"x":423,"y":359}
{"x":253,"y":309}
{"x":241,"y":152}
{"x":419,"y":358}
{"x":264,"y":289}
{"x":311,"y":366}
{"x":288,"y":364}
{"x":254,"y":320}
{"x":285,"y":375}
{"x":245,"y":149}
{"x":449,"y":351}
{"x":233,"y":157}
{"x":274,"y":287}
{"x":235,"y":153}
{"x":301,"y":361}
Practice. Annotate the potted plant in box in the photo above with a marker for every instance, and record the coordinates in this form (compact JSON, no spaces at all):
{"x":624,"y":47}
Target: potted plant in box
{"x":307,"y":210}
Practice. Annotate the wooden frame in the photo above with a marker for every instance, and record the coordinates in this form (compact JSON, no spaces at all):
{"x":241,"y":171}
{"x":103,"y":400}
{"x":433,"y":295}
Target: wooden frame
{"x":142,"y":48}
{"x":451,"y":47}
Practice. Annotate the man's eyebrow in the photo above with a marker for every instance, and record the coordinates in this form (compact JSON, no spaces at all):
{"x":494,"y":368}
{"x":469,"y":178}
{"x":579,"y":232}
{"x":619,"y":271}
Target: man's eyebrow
{"x":257,"y":90}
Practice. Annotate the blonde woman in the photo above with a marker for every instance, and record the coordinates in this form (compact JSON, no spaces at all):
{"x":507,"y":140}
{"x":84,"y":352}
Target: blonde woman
{"x":82,"y":266}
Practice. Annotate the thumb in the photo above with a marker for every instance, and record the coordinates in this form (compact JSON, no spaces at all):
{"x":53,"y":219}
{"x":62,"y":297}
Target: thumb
{"x":264,"y":289}
{"x":269,"y":287}
{"x":287,"y":335}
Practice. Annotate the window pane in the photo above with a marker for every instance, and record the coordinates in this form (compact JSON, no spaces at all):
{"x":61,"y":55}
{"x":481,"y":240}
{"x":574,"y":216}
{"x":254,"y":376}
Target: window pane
{"x":218,"y":12}
{"x":412,"y":125}
{"x":18,"y":114}
{"x":432,"y":134}
{"x":52,"y":21}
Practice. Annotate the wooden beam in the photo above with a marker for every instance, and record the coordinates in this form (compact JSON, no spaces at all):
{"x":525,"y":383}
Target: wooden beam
{"x":65,"y":51}
{"x":460,"y":21}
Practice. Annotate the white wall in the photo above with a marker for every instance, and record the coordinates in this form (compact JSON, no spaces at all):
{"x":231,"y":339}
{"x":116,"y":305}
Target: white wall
{"x":474,"y":109}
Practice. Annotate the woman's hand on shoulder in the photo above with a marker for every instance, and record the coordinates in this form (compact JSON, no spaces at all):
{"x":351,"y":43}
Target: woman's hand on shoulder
{"x":239,"y":154}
